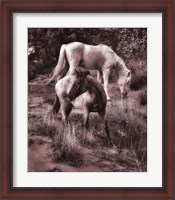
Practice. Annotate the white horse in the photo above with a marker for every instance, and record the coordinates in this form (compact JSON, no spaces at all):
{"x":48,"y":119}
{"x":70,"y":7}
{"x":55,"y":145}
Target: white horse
{"x":101,"y":58}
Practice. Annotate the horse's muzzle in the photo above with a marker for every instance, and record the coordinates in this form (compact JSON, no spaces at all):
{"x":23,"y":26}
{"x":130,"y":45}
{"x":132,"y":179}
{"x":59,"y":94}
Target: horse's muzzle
{"x":124,"y":95}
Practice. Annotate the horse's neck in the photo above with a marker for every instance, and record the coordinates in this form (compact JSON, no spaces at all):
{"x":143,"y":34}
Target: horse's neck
{"x":120,"y":65}
{"x":98,"y":90}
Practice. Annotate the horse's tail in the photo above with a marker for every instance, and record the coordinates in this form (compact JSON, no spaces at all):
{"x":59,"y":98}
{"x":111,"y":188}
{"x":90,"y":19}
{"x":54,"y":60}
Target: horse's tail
{"x":56,"y":106}
{"x":61,"y":67}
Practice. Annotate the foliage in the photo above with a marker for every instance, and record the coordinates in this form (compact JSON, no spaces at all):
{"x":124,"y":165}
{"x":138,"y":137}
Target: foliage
{"x":139,"y":74}
{"x":44,"y":44}
{"x":143,"y":98}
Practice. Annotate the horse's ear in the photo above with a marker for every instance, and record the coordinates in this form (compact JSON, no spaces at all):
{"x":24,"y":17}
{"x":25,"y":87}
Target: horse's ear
{"x":87,"y":73}
{"x":84,"y":74}
{"x":129,"y":74}
{"x":77,"y":72}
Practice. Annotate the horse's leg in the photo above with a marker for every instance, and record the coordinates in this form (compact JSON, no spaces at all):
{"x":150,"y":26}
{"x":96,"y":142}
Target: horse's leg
{"x":74,"y":57}
{"x":104,"y":121}
{"x":73,"y":63}
{"x":56,"y":106}
{"x":86,"y":121}
{"x":106,"y":81}
{"x":99,"y":76}
{"x":66,"y":110}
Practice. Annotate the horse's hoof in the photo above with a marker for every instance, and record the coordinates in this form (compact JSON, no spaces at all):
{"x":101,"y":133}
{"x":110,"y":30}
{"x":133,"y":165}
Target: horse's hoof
{"x":114,"y":146}
{"x":110,"y":144}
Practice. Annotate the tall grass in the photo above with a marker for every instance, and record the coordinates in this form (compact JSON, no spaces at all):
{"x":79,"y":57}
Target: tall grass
{"x":129,"y":132}
{"x":66,"y":146}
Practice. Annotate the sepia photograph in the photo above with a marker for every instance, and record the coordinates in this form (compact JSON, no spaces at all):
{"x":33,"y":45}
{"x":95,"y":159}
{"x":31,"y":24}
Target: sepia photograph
{"x":87,"y":99}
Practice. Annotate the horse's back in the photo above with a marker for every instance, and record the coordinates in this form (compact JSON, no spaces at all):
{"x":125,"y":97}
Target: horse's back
{"x":91,"y":57}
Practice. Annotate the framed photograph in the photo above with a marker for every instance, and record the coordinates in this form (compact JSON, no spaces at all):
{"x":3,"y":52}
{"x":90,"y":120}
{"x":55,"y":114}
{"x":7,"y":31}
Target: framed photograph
{"x":87,"y":99}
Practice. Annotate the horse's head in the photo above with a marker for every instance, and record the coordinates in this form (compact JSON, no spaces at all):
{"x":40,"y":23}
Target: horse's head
{"x":79,"y":86}
{"x":123,"y":82}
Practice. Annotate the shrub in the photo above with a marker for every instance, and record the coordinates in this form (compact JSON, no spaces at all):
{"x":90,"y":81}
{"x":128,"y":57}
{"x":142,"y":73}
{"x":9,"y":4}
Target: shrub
{"x":143,"y":98}
{"x":139,"y":74}
{"x":138,"y":81}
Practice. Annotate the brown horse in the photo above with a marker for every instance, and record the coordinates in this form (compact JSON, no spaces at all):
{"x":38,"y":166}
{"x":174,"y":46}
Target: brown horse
{"x":93,"y":94}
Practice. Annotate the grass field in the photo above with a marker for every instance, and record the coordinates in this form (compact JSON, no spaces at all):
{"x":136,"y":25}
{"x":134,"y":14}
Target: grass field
{"x":51,"y":148}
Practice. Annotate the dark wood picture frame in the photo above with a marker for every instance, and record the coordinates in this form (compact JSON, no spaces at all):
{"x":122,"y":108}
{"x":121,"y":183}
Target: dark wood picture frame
{"x":8,"y":7}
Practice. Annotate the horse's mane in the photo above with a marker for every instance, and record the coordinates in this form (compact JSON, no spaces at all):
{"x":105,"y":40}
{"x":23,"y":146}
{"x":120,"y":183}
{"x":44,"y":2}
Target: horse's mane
{"x":121,"y":67}
{"x":120,"y":61}
{"x":107,"y":48}
{"x":80,"y":75}
{"x":93,"y":87}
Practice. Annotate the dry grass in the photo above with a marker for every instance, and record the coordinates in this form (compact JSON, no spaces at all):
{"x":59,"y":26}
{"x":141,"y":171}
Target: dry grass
{"x":129,"y":132}
{"x":127,"y":122}
{"x":67,"y":147}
